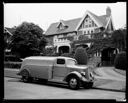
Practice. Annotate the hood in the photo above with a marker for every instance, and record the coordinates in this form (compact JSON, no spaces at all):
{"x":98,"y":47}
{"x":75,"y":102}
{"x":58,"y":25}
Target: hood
{"x":79,"y":66}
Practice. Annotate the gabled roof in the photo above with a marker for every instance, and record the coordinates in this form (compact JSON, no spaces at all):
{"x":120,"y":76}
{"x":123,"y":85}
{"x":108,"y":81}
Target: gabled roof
{"x":70,"y":23}
{"x":10,"y":30}
{"x":104,"y":19}
{"x":101,"y":19}
{"x":74,"y":24}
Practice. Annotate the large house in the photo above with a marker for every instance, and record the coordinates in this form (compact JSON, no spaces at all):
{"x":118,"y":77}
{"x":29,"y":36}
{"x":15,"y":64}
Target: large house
{"x":58,"y":32}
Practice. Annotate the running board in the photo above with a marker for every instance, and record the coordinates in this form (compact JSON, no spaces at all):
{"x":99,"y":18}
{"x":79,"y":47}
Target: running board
{"x":57,"y":81}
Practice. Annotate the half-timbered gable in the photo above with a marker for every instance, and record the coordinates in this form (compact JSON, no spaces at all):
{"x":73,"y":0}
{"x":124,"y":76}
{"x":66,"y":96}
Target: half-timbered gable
{"x":87,"y":23}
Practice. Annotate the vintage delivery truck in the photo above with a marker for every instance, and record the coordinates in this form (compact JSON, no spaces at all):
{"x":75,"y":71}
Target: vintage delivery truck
{"x":57,"y":69}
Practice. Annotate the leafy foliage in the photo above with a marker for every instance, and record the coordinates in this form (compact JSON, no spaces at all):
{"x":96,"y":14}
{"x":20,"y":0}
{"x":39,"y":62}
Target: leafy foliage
{"x":28,"y":39}
{"x":81,"y":56}
{"x":13,"y":65}
{"x":116,"y":39}
{"x":48,"y":51}
{"x":12,"y":58}
{"x":120,"y":61}
{"x":94,"y":62}
{"x":83,"y":37}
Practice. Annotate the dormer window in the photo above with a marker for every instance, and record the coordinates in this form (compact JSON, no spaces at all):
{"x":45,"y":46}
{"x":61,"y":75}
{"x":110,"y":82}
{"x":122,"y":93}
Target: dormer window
{"x":61,"y":25}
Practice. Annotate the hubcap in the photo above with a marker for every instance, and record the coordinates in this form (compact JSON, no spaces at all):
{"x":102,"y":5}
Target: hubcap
{"x":73,"y":83}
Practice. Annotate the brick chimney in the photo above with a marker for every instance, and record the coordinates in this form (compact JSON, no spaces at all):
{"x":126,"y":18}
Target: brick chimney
{"x":108,"y":11}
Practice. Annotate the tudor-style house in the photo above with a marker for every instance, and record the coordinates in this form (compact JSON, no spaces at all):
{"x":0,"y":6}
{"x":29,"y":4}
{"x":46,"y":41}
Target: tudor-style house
{"x":87,"y":25}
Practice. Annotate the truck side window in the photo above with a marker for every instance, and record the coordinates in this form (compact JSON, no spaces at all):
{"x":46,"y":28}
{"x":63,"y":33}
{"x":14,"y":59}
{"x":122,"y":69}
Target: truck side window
{"x":60,"y":61}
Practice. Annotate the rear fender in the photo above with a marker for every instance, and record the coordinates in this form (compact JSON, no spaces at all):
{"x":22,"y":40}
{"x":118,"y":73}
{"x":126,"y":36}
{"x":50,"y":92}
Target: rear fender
{"x":21,"y":72}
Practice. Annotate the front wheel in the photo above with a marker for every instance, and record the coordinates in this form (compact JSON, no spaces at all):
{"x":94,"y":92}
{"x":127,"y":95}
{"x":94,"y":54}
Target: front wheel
{"x":74,"y":83}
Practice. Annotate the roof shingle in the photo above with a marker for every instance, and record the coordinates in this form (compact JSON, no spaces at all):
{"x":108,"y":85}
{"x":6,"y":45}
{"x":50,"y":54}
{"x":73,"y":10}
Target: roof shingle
{"x":72,"y":24}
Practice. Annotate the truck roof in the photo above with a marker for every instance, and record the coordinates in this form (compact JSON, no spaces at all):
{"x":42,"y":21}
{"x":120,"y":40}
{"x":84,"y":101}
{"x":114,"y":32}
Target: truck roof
{"x":46,"y":57}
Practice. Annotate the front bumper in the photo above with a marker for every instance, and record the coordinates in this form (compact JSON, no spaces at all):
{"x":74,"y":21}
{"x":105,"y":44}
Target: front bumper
{"x":84,"y":79}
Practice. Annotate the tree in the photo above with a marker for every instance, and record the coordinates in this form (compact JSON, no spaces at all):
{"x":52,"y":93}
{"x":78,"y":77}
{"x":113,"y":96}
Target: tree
{"x":28,"y":39}
{"x":42,"y":43}
{"x":119,"y":39}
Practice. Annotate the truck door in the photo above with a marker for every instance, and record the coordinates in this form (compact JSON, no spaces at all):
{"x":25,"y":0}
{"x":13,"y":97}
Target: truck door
{"x":59,"y":69}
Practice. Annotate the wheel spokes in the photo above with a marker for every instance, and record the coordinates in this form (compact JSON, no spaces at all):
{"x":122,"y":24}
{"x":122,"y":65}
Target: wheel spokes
{"x":73,"y":82}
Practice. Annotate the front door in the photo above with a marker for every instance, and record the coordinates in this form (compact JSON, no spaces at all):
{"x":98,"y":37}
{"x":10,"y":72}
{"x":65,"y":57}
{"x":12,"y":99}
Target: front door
{"x":59,"y":70}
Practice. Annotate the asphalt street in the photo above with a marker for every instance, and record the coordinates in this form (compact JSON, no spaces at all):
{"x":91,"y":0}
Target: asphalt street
{"x":15,"y":89}
{"x":107,"y":86}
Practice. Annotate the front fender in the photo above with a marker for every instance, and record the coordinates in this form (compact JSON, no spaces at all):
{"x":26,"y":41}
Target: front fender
{"x":74,"y":73}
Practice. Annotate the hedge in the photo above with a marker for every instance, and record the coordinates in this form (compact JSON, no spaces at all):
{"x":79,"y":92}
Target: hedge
{"x":12,"y":65}
{"x":120,"y":61}
{"x":12,"y":58}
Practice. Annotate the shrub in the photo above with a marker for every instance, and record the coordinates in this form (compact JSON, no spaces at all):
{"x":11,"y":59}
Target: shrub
{"x":12,"y":64}
{"x":12,"y":58}
{"x":120,"y":61}
{"x":81,"y":56}
{"x":67,"y":55}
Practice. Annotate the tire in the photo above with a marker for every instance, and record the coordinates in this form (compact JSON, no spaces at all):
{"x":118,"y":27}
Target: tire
{"x":26,"y":77}
{"x":74,"y":83}
{"x":88,"y":85}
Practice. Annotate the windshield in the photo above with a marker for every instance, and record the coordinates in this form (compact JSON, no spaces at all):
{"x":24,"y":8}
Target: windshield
{"x":71,"y":62}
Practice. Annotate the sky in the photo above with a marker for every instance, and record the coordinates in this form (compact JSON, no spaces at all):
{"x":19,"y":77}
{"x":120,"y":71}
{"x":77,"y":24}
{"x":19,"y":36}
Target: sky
{"x":43,"y":14}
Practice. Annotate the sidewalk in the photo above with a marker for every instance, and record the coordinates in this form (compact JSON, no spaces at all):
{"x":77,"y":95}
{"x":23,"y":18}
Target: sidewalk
{"x":108,"y":80}
{"x":110,"y":85}
{"x":122,"y":72}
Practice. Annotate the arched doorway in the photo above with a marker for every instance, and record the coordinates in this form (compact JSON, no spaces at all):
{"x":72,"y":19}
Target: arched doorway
{"x":63,"y":49}
{"x":108,"y":56}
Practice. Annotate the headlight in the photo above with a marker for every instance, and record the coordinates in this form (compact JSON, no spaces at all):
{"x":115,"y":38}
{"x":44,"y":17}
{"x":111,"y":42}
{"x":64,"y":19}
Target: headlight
{"x":91,"y":75}
{"x":83,"y":73}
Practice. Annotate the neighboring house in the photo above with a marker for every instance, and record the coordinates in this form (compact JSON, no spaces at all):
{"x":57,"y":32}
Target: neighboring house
{"x":58,"y":33}
{"x":8,"y":32}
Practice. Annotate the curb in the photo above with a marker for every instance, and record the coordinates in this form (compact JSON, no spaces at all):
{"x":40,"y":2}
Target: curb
{"x":122,"y":72}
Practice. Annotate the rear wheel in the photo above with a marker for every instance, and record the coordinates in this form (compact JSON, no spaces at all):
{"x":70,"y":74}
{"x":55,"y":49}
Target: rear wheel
{"x":74,"y":83}
{"x":26,"y":77}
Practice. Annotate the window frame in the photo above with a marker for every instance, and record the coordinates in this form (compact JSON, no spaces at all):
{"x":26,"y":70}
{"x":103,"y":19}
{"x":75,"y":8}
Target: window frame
{"x":59,"y":61}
